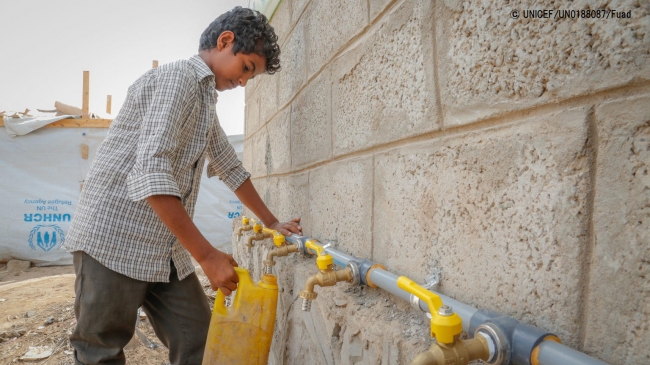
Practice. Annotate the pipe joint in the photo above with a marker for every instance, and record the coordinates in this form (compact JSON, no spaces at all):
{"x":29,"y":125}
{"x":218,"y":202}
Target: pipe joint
{"x":522,"y":339}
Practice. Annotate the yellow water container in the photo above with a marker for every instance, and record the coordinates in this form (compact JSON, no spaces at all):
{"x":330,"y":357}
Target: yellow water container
{"x":242,"y":333}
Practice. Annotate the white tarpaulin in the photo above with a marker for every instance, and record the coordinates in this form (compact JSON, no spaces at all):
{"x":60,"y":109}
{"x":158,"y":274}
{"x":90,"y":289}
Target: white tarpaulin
{"x":40,"y":179}
{"x":21,"y":126}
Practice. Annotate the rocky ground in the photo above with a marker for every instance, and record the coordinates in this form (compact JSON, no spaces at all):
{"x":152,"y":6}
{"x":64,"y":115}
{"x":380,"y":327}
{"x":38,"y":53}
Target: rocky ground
{"x":37,"y":317}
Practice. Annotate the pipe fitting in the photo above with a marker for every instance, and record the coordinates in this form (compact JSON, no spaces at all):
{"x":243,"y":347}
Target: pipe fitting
{"x":259,"y":236}
{"x":460,"y":352}
{"x":522,"y":339}
{"x":277,"y":252}
{"x":324,"y":278}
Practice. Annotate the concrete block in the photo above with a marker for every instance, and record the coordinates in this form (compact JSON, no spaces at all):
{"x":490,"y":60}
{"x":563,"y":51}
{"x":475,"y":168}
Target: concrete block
{"x":502,"y":211}
{"x":259,"y":145}
{"x":340,"y":204}
{"x":330,"y":25}
{"x":281,"y":21}
{"x":297,"y":8}
{"x":260,"y":184}
{"x":249,"y":89}
{"x":268,"y":94}
{"x":618,"y":320}
{"x":278,"y":154}
{"x":384,"y":89}
{"x":491,"y":63}
{"x":17,"y":266}
{"x":252,"y":116}
{"x":247,"y":158}
{"x":311,"y":133}
{"x":376,"y":7}
{"x":289,"y":198}
{"x":294,"y":67}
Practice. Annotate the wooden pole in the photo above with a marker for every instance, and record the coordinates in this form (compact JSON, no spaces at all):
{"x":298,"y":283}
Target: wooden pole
{"x":86,"y":95}
{"x":109,"y":100}
{"x":154,"y":64}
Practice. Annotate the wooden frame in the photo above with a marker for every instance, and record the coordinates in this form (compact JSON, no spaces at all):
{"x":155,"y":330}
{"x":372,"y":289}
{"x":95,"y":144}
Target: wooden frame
{"x":84,"y":121}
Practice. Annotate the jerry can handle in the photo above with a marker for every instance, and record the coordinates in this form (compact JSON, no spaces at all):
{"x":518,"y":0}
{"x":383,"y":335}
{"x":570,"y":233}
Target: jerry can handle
{"x":244,"y":281}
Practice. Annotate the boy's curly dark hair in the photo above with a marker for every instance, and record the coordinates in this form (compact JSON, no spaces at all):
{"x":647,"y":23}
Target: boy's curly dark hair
{"x":253,"y":34}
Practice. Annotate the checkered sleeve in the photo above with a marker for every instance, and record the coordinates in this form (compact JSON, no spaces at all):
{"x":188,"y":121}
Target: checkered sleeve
{"x":223,"y":161}
{"x":165,"y":101}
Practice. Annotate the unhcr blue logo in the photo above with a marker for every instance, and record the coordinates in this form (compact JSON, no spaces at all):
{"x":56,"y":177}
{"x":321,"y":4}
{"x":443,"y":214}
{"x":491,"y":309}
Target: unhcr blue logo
{"x":47,"y":236}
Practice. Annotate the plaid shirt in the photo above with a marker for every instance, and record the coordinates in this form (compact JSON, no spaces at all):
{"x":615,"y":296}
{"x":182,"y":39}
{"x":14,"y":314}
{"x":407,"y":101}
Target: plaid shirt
{"x":156,"y":145}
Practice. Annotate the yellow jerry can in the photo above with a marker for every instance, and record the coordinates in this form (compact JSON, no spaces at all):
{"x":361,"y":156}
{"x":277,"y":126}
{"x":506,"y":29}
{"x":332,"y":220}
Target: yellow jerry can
{"x":242,"y":334}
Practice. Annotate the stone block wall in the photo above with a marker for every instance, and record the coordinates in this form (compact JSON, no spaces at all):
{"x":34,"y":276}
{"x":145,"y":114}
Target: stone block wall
{"x":514,"y":153}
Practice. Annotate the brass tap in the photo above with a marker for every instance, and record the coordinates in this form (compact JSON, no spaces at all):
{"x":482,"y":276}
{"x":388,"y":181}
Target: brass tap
{"x":460,"y":352}
{"x":326,"y":277}
{"x":258,"y":235}
{"x":246,"y":226}
{"x":277,"y":252}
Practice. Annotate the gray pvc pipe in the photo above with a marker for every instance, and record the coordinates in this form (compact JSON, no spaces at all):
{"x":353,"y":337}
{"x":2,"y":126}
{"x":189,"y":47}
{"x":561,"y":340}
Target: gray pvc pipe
{"x":553,"y":353}
{"x":340,"y":258}
{"x":388,"y":282}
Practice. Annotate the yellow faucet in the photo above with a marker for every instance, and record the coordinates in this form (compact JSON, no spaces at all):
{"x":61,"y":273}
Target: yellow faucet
{"x":446,"y":327}
{"x":326,"y":277}
{"x":246,"y":226}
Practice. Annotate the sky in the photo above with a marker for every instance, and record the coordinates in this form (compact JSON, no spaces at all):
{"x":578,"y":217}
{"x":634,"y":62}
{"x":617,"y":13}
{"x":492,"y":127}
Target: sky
{"x":46,"y":45}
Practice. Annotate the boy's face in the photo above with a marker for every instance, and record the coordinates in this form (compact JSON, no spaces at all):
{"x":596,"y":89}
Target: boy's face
{"x":232,"y":70}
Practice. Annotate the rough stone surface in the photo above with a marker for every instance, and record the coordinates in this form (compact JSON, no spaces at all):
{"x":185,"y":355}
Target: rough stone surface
{"x":311,"y":135}
{"x":257,"y":159}
{"x":491,"y":62}
{"x":294,"y":69}
{"x":340,"y":204}
{"x":278,"y":147}
{"x":502,"y":211}
{"x":384,"y":90}
{"x":17,"y":266}
{"x":252,"y":115}
{"x":247,"y":157}
{"x":268,"y":96}
{"x":297,"y":8}
{"x":619,"y":300}
{"x":326,"y":34}
{"x":281,"y":21}
{"x":376,"y":7}
{"x":289,"y":198}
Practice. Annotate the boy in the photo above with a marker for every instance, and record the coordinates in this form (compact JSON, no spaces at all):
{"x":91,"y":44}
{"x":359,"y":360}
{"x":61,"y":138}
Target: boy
{"x":132,"y":231}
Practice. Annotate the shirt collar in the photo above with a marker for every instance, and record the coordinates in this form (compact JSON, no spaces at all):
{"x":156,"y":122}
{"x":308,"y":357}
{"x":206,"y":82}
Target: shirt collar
{"x":202,"y":70}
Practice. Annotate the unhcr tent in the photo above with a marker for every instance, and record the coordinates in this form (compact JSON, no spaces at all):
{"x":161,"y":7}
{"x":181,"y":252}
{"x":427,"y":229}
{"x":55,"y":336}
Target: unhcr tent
{"x":41,"y":176}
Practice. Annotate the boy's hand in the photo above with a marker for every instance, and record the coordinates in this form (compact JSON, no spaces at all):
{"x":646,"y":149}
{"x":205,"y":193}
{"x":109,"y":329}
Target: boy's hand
{"x":219,"y":268}
{"x":287,"y":227}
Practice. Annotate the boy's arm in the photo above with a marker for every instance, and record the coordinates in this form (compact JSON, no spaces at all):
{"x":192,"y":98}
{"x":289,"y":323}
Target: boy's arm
{"x":251,"y":199}
{"x":218,"y":266}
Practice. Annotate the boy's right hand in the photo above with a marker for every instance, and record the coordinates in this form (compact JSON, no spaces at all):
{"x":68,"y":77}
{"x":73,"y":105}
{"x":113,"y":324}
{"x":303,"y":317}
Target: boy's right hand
{"x":219,"y":268}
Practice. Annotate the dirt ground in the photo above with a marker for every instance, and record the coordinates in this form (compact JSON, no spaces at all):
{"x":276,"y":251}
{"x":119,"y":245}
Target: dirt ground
{"x":36,"y":309}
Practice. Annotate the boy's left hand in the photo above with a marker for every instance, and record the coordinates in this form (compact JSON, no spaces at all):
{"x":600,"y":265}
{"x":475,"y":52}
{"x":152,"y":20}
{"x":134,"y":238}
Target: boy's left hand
{"x":286,"y":228}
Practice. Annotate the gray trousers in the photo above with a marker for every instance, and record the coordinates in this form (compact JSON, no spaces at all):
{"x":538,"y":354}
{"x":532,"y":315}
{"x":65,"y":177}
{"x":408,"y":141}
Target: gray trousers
{"x":106,"y":306}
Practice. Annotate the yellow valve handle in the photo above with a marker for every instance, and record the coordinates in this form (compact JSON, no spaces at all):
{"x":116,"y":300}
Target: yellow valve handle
{"x":257,"y":228}
{"x":278,"y":238}
{"x":443,"y":328}
{"x":244,"y":220}
{"x":324,"y":260}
